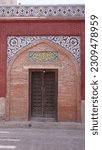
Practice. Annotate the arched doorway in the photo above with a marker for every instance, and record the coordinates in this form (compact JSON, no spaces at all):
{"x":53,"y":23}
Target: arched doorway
{"x":43,"y":93}
{"x":49,"y":57}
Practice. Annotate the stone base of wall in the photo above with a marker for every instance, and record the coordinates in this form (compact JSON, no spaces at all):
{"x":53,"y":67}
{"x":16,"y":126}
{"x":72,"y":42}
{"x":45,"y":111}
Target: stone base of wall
{"x":2,"y":107}
{"x":83,"y":111}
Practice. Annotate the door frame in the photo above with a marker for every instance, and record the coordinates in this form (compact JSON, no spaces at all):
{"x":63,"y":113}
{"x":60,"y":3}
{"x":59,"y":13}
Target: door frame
{"x":56,"y":89}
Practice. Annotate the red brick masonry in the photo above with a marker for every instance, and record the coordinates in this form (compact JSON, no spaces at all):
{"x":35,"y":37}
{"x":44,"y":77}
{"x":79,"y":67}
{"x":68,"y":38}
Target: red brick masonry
{"x":67,"y":110}
{"x":44,"y":27}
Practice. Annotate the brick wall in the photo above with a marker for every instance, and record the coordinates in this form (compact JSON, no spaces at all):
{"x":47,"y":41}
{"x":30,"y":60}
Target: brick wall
{"x":8,"y":2}
{"x":39,"y":28}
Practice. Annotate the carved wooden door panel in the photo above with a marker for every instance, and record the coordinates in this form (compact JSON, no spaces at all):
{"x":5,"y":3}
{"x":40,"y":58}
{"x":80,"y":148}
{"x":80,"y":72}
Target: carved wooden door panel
{"x":49,"y":98}
{"x":43,"y":94}
{"x":36,"y":94}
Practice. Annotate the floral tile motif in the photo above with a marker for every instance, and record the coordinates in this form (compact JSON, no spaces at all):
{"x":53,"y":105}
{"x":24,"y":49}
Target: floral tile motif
{"x":69,"y":43}
{"x":65,"y":11}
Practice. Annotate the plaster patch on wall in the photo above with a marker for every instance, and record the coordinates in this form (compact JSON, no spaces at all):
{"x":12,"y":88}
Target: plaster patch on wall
{"x":83,"y":111}
{"x":69,"y":43}
{"x":2,"y":106}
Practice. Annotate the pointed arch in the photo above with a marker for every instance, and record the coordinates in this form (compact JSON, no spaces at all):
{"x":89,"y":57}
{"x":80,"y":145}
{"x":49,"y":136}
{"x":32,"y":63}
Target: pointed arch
{"x":69,"y":95}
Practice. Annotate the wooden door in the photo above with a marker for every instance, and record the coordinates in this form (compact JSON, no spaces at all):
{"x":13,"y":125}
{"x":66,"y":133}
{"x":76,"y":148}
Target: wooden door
{"x":43,"y":94}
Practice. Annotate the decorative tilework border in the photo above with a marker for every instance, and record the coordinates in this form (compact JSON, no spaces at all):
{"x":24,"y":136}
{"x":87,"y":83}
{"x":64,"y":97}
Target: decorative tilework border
{"x":64,"y":11}
{"x":69,"y":43}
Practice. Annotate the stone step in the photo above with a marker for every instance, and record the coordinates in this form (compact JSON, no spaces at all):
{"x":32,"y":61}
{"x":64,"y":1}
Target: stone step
{"x":36,"y":124}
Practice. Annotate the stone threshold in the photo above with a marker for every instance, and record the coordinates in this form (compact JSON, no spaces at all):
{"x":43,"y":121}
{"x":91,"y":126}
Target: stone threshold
{"x":41,"y":125}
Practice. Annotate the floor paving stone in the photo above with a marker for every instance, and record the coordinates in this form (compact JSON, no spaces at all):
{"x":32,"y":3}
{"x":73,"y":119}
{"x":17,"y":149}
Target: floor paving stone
{"x":42,"y":139}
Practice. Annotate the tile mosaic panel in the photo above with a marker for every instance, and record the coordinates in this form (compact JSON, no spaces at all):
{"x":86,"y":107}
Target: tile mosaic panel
{"x":65,"y":11}
{"x":69,"y":43}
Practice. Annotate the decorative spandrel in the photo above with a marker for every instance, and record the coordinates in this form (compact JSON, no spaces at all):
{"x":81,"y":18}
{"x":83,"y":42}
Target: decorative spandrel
{"x":69,"y":43}
{"x":43,"y":56}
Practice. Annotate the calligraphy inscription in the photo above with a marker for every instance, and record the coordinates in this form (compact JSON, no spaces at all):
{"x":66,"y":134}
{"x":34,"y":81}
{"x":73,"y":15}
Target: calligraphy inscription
{"x":42,"y":56}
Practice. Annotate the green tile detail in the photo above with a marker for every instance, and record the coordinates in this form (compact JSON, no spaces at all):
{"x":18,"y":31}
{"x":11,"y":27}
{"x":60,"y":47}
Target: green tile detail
{"x":43,"y":56}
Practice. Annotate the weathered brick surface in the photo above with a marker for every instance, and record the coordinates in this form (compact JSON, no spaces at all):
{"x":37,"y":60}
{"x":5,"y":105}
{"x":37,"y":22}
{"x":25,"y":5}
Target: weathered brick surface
{"x":33,"y":28}
{"x":2,"y":108}
{"x":22,"y":28}
{"x":68,"y":83}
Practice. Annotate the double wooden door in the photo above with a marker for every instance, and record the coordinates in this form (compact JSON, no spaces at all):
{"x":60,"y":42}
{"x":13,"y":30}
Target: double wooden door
{"x":43,"y":94}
